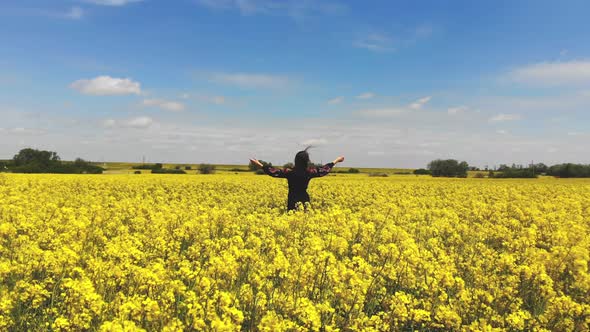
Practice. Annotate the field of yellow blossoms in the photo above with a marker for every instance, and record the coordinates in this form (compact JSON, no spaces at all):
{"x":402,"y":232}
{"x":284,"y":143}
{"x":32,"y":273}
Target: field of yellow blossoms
{"x":217,"y":253}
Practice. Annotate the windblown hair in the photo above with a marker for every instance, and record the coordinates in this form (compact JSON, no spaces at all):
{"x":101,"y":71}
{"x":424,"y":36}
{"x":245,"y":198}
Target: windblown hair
{"x":302,"y":160}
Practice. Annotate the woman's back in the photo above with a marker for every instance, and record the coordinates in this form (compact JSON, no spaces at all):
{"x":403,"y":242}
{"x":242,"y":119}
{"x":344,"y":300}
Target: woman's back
{"x":298,"y":180}
{"x":298,"y":177}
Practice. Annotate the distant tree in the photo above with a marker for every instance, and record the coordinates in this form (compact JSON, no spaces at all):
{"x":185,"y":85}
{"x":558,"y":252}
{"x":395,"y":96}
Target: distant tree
{"x":167,"y":171}
{"x":540,"y":168}
{"x":479,"y":175}
{"x":569,"y":170}
{"x":422,"y":171}
{"x":137,"y":172}
{"x":516,"y":172}
{"x":473,"y":168}
{"x":503,"y":167}
{"x":147,"y":166}
{"x":353,"y":170}
{"x":177,"y":167}
{"x":39,"y":158}
{"x":288,"y":165}
{"x":448,"y":168}
{"x":37,"y":161}
{"x":378,"y":174}
{"x":462,"y":170}
{"x":206,"y":169}
{"x":188,"y":168}
{"x":80,"y":162}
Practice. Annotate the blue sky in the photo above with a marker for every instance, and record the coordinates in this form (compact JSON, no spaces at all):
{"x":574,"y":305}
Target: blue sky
{"x":384,"y":83}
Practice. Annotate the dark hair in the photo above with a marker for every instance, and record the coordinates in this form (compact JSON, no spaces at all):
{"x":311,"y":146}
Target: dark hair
{"x":302,"y":160}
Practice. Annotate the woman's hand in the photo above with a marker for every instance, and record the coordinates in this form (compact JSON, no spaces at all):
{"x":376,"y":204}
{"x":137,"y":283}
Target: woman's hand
{"x":256,"y":162}
{"x":339,"y":160}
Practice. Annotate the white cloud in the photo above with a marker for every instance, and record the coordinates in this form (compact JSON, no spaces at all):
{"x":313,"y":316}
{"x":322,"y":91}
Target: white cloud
{"x":366,"y":95}
{"x":501,"y":132}
{"x":250,"y":80}
{"x":423,"y":31}
{"x":576,"y":133}
{"x":167,"y":105}
{"x":375,"y":42}
{"x":381,"y":112}
{"x":505,"y":117}
{"x":336,"y":100}
{"x":112,"y":2}
{"x":296,"y":9}
{"x":457,"y":110}
{"x":75,"y":13}
{"x":212,"y":99}
{"x":106,"y":85}
{"x":419,"y":103}
{"x":139,"y":122}
{"x":109,"y":123}
{"x":553,"y":73}
{"x":393,"y":111}
{"x":217,"y":100}
{"x":136,"y":122}
{"x":26,"y":131}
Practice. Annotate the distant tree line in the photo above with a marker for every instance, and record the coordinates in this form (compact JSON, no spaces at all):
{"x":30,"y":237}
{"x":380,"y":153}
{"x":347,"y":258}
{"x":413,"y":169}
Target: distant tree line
{"x":454,"y":168}
{"x":158,"y":168}
{"x":448,"y":168}
{"x":422,"y":171}
{"x":39,"y":161}
{"x":569,"y":170}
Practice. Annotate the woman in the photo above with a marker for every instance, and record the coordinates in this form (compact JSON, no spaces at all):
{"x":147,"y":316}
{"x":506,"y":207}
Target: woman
{"x":298,"y":176}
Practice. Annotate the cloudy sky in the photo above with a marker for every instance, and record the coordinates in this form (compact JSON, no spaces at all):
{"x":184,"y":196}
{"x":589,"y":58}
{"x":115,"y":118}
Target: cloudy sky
{"x":384,"y":83}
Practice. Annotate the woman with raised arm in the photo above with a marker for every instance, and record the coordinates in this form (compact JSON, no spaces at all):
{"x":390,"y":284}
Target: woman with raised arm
{"x":298,"y":176}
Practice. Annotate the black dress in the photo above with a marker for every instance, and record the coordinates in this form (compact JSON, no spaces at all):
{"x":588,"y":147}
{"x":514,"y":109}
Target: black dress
{"x":298,"y":181}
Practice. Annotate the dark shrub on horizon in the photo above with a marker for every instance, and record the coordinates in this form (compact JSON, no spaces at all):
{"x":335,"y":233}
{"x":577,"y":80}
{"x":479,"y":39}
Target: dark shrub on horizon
{"x":148,"y":166}
{"x":167,"y":171}
{"x":448,"y":168}
{"x":422,"y":171}
{"x":37,"y":161}
{"x":206,"y":169}
{"x":569,"y":170}
{"x":515,"y":173}
{"x":384,"y":175}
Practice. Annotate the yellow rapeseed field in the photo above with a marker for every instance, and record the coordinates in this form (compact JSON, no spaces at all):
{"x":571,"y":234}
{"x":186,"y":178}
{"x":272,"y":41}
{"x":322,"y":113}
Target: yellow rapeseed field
{"x":217,"y":253}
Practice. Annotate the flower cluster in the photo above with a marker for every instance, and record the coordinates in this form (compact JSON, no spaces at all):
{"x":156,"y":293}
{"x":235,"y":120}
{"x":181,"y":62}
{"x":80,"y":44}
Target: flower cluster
{"x":218,"y":253}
